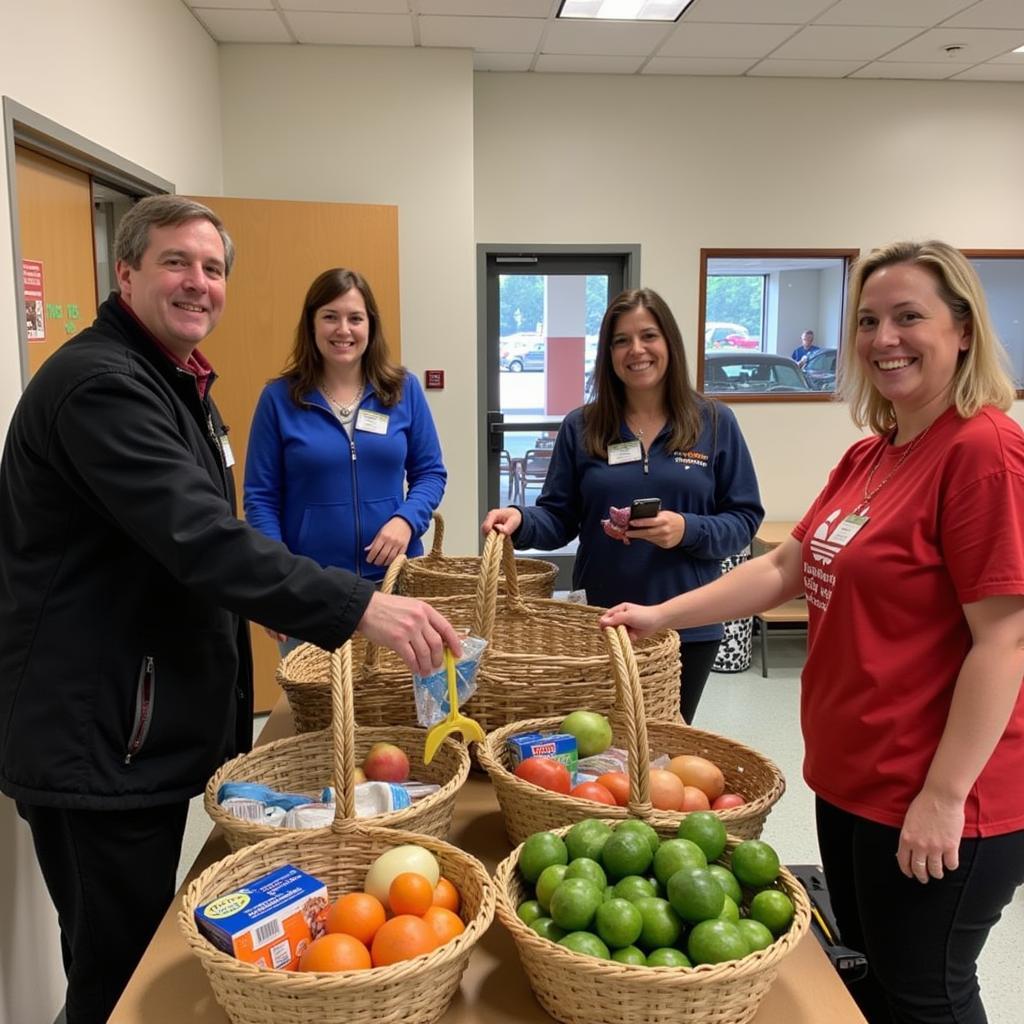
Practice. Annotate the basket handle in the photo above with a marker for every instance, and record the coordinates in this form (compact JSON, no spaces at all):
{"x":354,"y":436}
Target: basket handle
{"x":511,"y":570}
{"x":631,"y":700}
{"x":437,"y":545}
{"x":485,"y":606}
{"x":343,"y":737}
{"x":388,"y":586}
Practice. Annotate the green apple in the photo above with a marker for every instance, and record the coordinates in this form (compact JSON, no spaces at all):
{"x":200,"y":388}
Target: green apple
{"x":592,"y":731}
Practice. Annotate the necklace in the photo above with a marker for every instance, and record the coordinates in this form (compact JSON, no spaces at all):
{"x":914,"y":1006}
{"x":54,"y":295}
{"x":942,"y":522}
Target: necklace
{"x":343,"y":410}
{"x":869,"y":494}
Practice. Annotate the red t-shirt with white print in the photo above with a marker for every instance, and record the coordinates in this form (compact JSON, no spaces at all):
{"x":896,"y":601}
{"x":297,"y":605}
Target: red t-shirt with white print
{"x":887,"y":633}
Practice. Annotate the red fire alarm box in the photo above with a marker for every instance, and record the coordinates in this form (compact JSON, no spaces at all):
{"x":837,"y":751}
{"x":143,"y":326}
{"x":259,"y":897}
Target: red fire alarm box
{"x":434,"y":380}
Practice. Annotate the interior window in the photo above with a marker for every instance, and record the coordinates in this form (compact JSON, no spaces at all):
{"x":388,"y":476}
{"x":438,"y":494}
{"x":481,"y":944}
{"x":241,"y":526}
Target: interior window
{"x":771,"y":320}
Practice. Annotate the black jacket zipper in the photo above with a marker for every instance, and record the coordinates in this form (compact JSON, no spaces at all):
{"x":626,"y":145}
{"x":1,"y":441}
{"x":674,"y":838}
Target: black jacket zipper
{"x":145,"y":692}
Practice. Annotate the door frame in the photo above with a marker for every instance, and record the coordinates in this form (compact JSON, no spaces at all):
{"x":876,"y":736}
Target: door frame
{"x":27,"y":128}
{"x":487,"y":367}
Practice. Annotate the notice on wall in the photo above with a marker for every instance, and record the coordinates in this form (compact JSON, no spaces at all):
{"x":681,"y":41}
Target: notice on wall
{"x":32,"y":278}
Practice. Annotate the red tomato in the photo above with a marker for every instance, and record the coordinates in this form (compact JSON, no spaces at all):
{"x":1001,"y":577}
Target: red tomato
{"x":593,"y":791}
{"x":727,"y":800}
{"x":546,"y":773}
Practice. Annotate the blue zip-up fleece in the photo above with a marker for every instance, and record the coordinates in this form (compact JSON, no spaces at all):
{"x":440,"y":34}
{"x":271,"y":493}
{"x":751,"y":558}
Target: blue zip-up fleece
{"x":327,"y":497}
{"x":713,"y":485}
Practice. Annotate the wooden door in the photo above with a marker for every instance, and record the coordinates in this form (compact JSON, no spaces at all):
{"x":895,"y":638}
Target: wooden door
{"x":281,"y":247}
{"x":56,"y":232}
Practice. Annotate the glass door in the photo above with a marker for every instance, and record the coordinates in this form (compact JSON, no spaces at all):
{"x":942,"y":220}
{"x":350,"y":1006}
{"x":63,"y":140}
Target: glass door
{"x":542,"y":313}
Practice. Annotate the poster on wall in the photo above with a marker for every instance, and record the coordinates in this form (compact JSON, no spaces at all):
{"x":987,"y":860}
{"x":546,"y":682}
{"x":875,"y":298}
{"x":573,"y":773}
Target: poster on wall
{"x":32,"y":277}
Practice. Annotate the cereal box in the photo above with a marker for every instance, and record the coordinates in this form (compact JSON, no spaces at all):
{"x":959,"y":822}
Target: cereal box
{"x":268,"y":922}
{"x":560,"y":746}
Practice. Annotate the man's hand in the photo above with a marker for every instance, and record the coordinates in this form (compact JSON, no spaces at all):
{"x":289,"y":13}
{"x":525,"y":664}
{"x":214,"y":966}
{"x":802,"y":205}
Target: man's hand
{"x":504,"y":520}
{"x":412,"y":629}
{"x":391,"y":541}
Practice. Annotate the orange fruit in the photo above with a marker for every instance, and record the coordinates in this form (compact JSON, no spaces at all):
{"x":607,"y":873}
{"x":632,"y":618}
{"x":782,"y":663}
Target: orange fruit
{"x":410,"y":893}
{"x":446,"y":895}
{"x":446,"y":924}
{"x":335,"y":952}
{"x":357,"y":914}
{"x":402,"y":938}
{"x":667,"y":791}
{"x":700,"y":772}
{"x":617,"y":783}
{"x":695,"y":799}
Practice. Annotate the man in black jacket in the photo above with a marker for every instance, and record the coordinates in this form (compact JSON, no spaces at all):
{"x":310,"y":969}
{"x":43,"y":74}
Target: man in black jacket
{"x":126,"y":583}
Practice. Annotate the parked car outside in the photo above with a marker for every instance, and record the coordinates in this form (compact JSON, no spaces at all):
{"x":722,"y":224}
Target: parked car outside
{"x":752,"y":373}
{"x":718,"y":335}
{"x":820,"y":369}
{"x":517,"y":358}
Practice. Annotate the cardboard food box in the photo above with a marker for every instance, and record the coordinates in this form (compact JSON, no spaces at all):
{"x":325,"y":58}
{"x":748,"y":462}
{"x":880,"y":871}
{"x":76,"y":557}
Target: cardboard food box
{"x":560,"y":746}
{"x":268,"y":922}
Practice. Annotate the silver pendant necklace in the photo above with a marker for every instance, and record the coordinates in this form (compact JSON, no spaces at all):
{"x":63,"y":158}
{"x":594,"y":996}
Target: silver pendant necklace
{"x":343,"y":410}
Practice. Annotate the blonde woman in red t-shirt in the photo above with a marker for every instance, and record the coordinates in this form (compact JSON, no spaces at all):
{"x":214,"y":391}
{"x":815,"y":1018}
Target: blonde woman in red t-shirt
{"x":912,"y":561}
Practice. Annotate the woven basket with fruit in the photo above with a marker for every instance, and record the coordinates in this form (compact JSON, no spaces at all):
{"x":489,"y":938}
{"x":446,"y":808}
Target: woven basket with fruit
{"x":740,"y":784}
{"x":350,"y":963}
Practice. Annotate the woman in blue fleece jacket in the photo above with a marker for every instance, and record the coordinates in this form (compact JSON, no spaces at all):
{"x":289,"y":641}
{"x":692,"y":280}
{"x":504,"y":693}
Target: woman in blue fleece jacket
{"x":344,"y":463}
{"x":646,"y":433}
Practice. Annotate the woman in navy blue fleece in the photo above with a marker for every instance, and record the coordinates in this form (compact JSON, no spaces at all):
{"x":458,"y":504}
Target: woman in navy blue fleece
{"x":344,"y":463}
{"x":645,"y":433}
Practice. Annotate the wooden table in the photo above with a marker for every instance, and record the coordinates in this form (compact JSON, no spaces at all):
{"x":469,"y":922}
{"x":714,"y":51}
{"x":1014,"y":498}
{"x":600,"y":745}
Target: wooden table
{"x":170,"y":986}
{"x":770,"y":535}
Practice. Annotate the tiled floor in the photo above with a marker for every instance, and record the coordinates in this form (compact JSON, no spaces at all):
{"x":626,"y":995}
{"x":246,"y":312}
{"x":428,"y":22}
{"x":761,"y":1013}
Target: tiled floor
{"x":763,"y":713}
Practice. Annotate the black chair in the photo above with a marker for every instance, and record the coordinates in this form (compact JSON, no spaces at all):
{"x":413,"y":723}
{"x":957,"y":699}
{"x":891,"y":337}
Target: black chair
{"x":533,"y":470}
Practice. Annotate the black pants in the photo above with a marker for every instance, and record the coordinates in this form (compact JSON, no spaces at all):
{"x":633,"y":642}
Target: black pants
{"x":110,"y":875}
{"x":697,"y":658}
{"x":922,"y":941}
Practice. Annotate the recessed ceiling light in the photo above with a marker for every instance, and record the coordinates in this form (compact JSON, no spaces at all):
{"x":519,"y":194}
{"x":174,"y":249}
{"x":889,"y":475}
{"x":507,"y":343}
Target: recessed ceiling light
{"x":1020,"y":49}
{"x":624,"y":10}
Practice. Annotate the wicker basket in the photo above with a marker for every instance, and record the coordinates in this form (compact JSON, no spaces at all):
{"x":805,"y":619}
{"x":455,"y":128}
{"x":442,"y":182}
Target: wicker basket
{"x":439,"y":575}
{"x":381,"y":682}
{"x":416,"y":991}
{"x":528,"y":808}
{"x":306,"y":763}
{"x":578,"y":989}
{"x":548,"y":657}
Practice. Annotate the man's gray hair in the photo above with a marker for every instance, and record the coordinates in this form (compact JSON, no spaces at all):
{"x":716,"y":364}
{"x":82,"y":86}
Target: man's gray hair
{"x":132,"y":238}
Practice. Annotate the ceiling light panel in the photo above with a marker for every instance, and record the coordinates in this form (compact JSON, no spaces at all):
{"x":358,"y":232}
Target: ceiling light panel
{"x":624,"y":10}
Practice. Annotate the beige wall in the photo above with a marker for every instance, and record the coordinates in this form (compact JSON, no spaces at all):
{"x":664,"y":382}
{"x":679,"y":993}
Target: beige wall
{"x":677,"y":164}
{"x":365,"y":125}
{"x":140,"y":79}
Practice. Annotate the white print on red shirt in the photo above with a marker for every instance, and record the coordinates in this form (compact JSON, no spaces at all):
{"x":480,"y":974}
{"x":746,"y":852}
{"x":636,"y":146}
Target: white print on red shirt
{"x":818,"y":583}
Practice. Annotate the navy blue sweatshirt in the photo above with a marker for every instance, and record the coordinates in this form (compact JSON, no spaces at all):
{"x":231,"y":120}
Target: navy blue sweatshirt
{"x":712,"y":485}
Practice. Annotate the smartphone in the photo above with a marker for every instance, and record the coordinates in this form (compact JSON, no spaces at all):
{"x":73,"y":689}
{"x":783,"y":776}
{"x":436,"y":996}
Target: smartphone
{"x":644,"y":508}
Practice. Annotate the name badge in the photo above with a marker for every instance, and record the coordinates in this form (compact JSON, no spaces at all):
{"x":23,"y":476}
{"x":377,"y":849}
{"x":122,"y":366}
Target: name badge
{"x":225,"y":447}
{"x":847,"y":529}
{"x":372,"y":422}
{"x":625,"y":451}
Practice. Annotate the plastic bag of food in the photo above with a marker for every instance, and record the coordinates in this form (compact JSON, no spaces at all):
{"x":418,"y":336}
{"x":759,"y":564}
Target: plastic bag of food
{"x":432,"y":691}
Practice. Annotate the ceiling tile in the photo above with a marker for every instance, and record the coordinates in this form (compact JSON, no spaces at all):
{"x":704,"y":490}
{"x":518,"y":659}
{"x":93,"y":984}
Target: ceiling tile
{"x":244,"y":26}
{"x":824,"y":42}
{"x":990,"y":14}
{"x":1008,"y":58}
{"x":344,"y":6}
{"x":705,"y":40}
{"x":488,"y":8}
{"x":914,"y":13}
{"x":589,"y":65}
{"x":910,"y":69}
{"x":764,"y":12}
{"x":502,"y":61}
{"x":515,"y":35}
{"x":772,"y":68}
{"x":697,"y":66}
{"x":261,"y":5}
{"x":619,"y":38}
{"x":978,"y":44}
{"x":993,"y":73}
{"x":351,"y":29}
